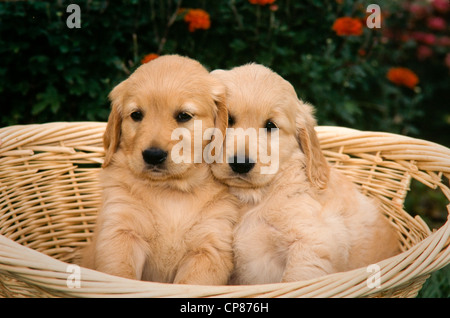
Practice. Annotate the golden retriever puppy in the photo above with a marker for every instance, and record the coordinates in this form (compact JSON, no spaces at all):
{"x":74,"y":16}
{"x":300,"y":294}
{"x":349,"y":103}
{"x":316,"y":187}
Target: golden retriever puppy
{"x":301,"y":219}
{"x":164,"y":219}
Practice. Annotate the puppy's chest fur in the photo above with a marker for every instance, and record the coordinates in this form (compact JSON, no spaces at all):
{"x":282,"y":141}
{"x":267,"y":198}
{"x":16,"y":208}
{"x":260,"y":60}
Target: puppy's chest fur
{"x":169,"y":239}
{"x":165,"y":220}
{"x":267,"y":259}
{"x":268,"y":237}
{"x":290,"y":213}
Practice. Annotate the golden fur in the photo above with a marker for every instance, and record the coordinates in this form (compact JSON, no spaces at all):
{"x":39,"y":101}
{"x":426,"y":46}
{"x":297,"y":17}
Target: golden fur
{"x":307,"y":219}
{"x":171,"y":223}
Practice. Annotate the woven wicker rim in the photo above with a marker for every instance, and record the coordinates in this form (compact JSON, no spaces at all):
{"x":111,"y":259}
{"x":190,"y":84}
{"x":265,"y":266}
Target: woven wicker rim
{"x":26,"y":270}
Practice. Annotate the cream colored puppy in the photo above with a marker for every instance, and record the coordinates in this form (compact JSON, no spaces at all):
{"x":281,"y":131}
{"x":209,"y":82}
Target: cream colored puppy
{"x":305,"y":219}
{"x":161,"y":219}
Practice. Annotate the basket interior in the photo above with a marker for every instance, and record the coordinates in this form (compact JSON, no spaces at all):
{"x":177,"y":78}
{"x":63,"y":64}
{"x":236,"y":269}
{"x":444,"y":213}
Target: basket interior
{"x":49,"y":187}
{"x":49,"y":190}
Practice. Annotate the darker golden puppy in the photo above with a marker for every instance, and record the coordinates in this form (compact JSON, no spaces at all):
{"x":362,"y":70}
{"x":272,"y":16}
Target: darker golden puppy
{"x":163,"y":219}
{"x":301,"y":219}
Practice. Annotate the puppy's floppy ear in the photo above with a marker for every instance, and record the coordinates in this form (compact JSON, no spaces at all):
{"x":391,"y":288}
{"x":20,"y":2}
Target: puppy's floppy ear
{"x":219,"y":96}
{"x":317,"y":168}
{"x":111,"y":137}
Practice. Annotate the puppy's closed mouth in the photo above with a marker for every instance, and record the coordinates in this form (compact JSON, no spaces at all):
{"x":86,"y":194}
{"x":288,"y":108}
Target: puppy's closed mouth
{"x":155,"y":169}
{"x":239,"y":181}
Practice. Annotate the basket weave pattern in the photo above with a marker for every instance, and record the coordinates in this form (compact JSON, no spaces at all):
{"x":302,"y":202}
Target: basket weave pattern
{"x":49,"y":196}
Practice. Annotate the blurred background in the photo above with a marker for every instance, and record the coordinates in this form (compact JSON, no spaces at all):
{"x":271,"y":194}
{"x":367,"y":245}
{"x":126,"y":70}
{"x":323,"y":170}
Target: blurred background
{"x":383,"y":70}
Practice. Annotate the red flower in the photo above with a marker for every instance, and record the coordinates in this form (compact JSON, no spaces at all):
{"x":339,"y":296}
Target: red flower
{"x":419,"y":11}
{"x":261,"y":2}
{"x":197,"y":19}
{"x":402,"y":76}
{"x":441,"y":5}
{"x":274,"y":7}
{"x":426,"y":38}
{"x":436,"y":23}
{"x":149,"y":57}
{"x":424,"y":52}
{"x":348,"y":26}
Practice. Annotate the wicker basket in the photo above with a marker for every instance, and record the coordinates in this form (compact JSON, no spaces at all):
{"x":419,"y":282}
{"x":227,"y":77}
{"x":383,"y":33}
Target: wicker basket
{"x":50,"y":195}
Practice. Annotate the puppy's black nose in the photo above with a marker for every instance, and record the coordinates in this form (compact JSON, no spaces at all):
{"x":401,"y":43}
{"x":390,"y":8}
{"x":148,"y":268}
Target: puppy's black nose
{"x":154,"y":156}
{"x":241,"y":167}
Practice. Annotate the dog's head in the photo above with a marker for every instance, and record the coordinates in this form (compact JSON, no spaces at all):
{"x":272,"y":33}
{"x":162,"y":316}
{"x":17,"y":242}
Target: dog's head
{"x":259,"y":101}
{"x":167,"y":93}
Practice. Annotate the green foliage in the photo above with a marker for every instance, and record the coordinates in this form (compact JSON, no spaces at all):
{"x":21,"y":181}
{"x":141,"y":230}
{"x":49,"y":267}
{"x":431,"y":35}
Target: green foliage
{"x":430,"y":204}
{"x":49,"y":72}
{"x":438,"y":285}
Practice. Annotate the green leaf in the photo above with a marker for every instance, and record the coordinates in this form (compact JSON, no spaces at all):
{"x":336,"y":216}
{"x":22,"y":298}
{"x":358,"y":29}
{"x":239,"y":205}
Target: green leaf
{"x":238,"y":45}
{"x":50,"y":99}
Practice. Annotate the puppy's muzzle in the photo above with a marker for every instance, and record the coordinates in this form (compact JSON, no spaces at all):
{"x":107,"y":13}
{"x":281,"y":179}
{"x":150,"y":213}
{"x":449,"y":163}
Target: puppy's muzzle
{"x":241,"y":165}
{"x":154,"y":156}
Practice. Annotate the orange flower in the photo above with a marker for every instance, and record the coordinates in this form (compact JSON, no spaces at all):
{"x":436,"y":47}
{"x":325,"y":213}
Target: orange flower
{"x":197,"y":19}
{"x":348,"y":26}
{"x":149,"y":57}
{"x":402,"y":76}
{"x":261,"y":2}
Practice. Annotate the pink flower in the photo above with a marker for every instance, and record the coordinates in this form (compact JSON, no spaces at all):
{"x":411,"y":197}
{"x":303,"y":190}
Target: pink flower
{"x":418,"y":11}
{"x":429,"y":38}
{"x":424,"y":52}
{"x":436,"y":23}
{"x":441,"y":5}
{"x":422,"y":37}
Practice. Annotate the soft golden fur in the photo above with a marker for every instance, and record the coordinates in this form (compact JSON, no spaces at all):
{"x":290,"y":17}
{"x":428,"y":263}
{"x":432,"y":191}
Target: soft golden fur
{"x":307,"y":219}
{"x":170,"y":223}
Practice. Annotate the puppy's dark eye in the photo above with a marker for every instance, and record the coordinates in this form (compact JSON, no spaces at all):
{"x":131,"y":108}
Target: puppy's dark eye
{"x":270,"y":125}
{"x":183,"y":117}
{"x":137,"y":115}
{"x":230,"y":120}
